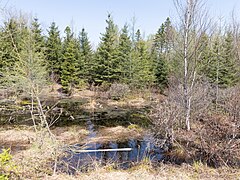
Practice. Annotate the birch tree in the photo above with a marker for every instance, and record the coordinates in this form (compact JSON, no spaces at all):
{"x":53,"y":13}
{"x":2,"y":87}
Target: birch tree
{"x":193,"y":23}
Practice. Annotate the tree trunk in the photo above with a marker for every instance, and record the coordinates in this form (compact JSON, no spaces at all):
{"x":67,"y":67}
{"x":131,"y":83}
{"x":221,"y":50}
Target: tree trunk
{"x":187,"y":99}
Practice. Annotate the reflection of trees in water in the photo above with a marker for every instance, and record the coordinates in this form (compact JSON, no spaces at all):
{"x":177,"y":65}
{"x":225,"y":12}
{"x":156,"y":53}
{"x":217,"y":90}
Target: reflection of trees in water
{"x":141,"y":149}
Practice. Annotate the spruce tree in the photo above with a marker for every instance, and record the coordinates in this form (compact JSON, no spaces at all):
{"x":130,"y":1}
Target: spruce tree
{"x":161,"y":72}
{"x":160,"y":54}
{"x":222,"y":70}
{"x":138,"y":36}
{"x":143,"y":74}
{"x":205,"y":53}
{"x":54,"y":52}
{"x":229,"y":70}
{"x":29,"y":72}
{"x":79,"y":61}
{"x":69,"y":66}
{"x":7,"y":55}
{"x":37,"y":36}
{"x":159,"y":40}
{"x":12,"y":34}
{"x":107,"y":65}
{"x":87,"y":70}
{"x":215,"y":63}
{"x":124,"y":55}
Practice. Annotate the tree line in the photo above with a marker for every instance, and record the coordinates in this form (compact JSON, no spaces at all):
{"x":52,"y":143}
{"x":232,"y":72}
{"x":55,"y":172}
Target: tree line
{"x":121,"y":56}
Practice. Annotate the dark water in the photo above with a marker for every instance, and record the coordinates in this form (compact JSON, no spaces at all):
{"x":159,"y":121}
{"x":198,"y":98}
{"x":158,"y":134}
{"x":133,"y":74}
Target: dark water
{"x":141,"y":149}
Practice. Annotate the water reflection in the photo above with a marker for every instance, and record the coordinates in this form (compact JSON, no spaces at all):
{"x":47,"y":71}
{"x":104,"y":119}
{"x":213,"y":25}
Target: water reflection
{"x":141,"y":149}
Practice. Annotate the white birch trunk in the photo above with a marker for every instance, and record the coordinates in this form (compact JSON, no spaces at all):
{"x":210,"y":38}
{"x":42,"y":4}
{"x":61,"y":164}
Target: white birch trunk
{"x":187,"y":99}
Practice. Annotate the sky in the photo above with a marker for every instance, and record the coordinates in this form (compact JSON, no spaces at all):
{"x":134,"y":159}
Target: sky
{"x":91,"y":14}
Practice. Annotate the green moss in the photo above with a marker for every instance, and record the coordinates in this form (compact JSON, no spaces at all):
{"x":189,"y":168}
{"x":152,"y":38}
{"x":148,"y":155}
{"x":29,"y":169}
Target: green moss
{"x":140,"y":119}
{"x":27,"y":102}
{"x":134,"y":127}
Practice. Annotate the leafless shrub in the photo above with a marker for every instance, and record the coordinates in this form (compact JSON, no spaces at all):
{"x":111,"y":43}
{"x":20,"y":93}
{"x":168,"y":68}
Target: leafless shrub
{"x":165,"y":119}
{"x":218,"y":147}
{"x":168,"y":120}
{"x":230,"y":101}
{"x":201,"y":97}
{"x":118,"y":91}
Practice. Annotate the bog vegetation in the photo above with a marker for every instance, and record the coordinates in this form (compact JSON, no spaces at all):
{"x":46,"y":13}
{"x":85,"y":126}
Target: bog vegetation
{"x":194,"y":64}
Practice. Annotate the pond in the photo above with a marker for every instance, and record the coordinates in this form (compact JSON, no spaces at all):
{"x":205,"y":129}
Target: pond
{"x":118,"y":154}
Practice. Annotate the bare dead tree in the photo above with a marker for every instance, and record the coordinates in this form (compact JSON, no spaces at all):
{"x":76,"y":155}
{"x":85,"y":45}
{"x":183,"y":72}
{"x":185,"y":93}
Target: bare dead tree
{"x":193,"y":24}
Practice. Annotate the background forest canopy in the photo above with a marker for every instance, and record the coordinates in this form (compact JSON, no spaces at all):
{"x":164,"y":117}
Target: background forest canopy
{"x":122,"y":56}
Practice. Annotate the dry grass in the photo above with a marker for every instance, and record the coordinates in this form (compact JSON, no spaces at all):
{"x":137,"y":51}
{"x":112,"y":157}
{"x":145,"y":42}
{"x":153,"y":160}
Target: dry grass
{"x":84,"y":94}
{"x":135,"y":102}
{"x":163,"y":172}
{"x":118,"y":133}
{"x":35,"y":153}
{"x":70,"y":134}
{"x":16,"y":139}
{"x":37,"y":163}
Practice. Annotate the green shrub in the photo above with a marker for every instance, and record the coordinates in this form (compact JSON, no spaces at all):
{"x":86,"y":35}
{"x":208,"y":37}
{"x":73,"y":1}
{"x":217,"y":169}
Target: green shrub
{"x":7,"y":167}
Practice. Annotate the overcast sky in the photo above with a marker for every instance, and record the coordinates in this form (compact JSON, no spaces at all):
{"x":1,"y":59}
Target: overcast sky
{"x":91,"y":14}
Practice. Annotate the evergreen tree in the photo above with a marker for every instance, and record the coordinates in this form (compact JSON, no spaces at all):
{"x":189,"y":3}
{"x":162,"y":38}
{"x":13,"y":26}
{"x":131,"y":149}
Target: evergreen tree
{"x":54,"y":52}
{"x":160,"y":54}
{"x":168,"y":35}
{"x":221,"y":69}
{"x":107,"y":65}
{"x":69,"y":66}
{"x":143,"y":74}
{"x":7,"y":55}
{"x":229,"y":70}
{"x":28,"y":73}
{"x":138,"y":36}
{"x":68,"y":37}
{"x":124,"y":55}
{"x":79,"y":60}
{"x":205,"y":53}
{"x":214,"y":65}
{"x":37,"y":35}
{"x":87,"y":70}
{"x":161,"y":71}
{"x":12,"y":34}
{"x":159,"y":40}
